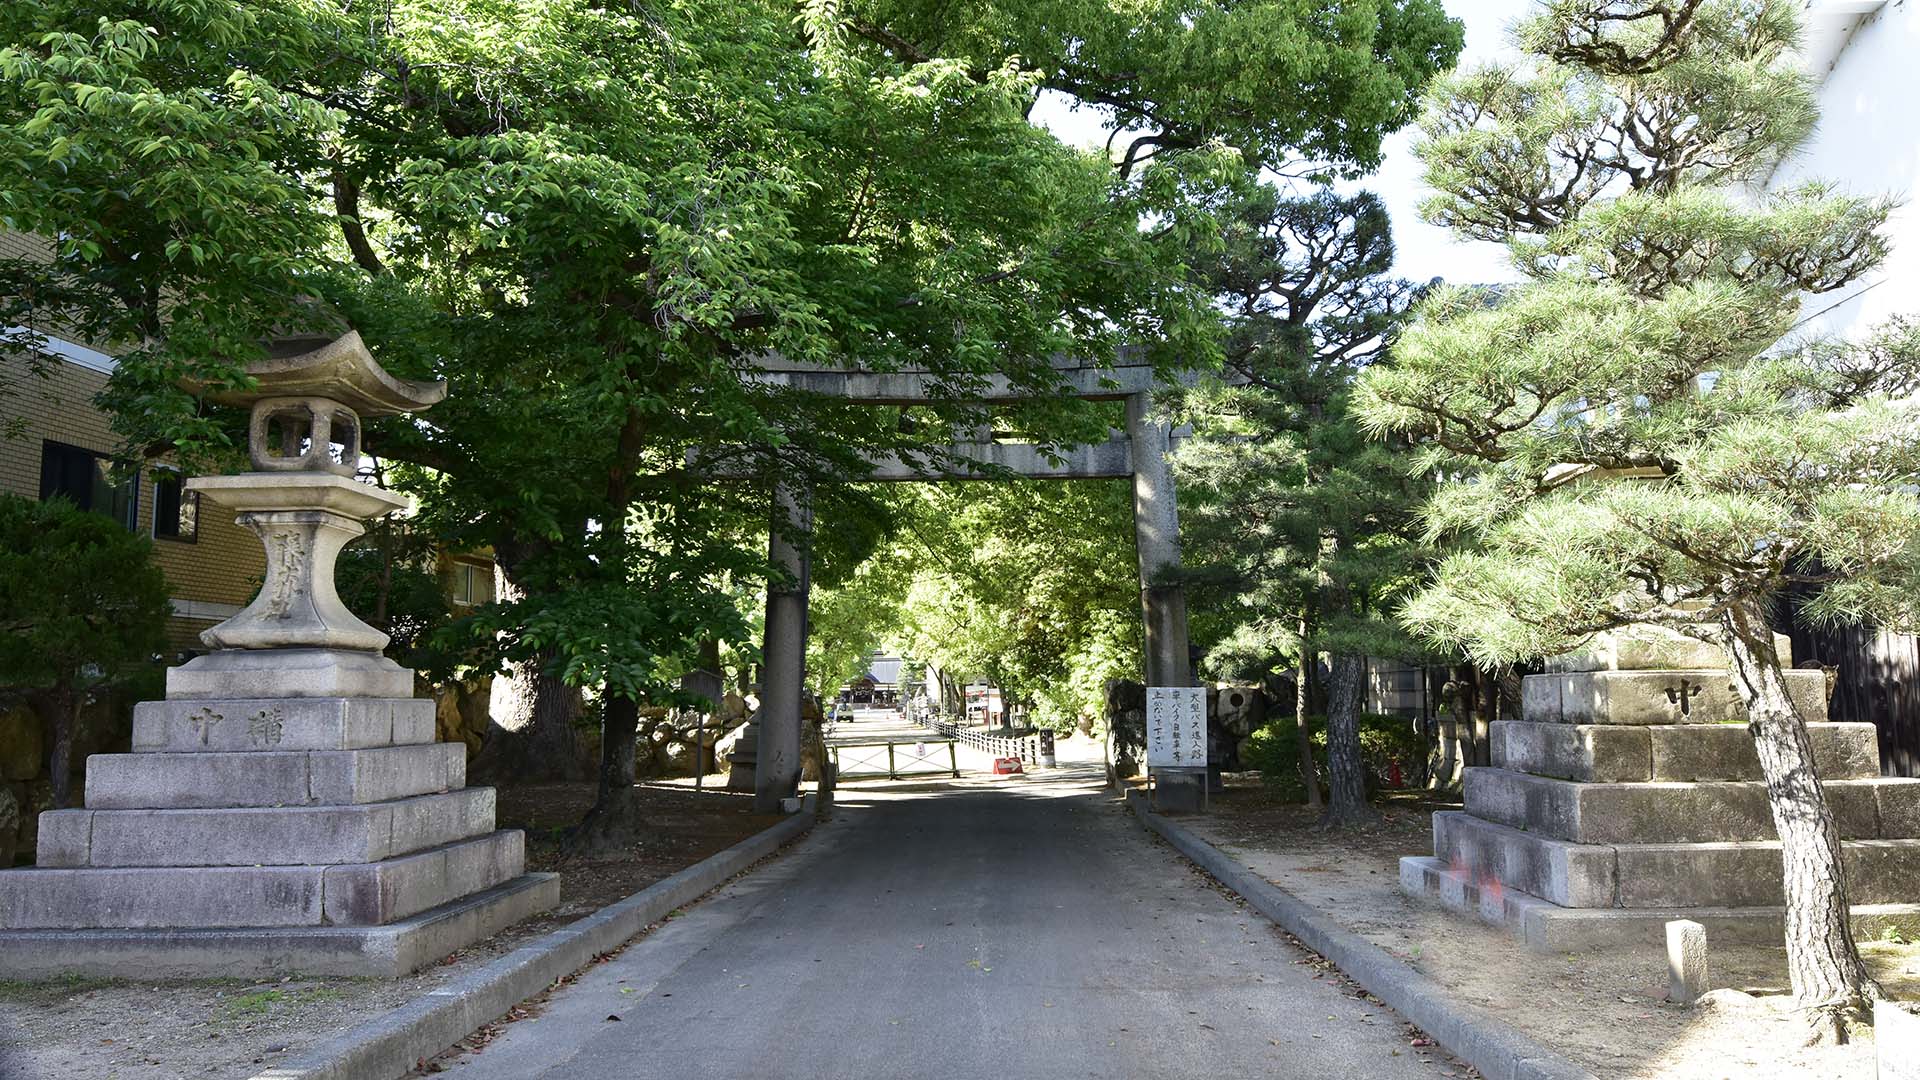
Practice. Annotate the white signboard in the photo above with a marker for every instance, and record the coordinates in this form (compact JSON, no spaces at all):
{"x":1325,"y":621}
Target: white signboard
{"x":1177,"y":727}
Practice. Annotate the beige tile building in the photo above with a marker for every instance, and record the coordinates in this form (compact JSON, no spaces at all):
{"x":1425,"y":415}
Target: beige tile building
{"x":54,"y":439}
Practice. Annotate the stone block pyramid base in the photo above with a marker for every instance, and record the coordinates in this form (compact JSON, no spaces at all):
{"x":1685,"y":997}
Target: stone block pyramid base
{"x":1630,"y":795}
{"x":250,"y":836}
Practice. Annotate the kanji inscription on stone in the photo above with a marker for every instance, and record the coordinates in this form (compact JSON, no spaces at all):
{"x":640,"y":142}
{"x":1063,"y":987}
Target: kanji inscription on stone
{"x":203,"y":722}
{"x":264,"y":727}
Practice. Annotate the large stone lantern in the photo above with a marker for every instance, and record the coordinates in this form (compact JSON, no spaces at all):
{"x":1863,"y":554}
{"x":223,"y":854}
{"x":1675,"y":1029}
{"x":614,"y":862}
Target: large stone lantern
{"x":286,"y":808}
{"x":303,"y":435}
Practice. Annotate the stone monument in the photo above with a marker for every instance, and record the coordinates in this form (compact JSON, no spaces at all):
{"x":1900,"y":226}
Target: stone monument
{"x":285,"y":809}
{"x":1630,"y":795}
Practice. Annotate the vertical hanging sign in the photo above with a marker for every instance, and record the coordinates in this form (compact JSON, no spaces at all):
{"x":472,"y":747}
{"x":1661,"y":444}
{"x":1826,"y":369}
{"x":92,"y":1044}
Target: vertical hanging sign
{"x":1176,"y":727}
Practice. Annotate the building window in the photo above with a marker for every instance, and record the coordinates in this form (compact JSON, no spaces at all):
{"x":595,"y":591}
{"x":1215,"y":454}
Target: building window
{"x":89,"y":481}
{"x":472,"y":584}
{"x":176,"y":511}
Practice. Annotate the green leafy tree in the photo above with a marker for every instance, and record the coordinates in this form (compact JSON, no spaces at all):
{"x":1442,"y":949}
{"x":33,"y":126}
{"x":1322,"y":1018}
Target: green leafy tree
{"x":591,"y":219}
{"x":1300,"y":530}
{"x":84,"y":609}
{"x":1030,"y":584}
{"x":851,"y":615}
{"x":1625,"y":435}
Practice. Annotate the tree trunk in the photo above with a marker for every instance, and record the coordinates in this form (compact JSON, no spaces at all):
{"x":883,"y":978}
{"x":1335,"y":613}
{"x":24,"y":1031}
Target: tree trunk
{"x":1829,"y":980}
{"x":1346,"y":771}
{"x":1486,"y":699}
{"x":532,"y":737}
{"x":1303,"y":735}
{"x":614,"y":822}
{"x":62,"y":710}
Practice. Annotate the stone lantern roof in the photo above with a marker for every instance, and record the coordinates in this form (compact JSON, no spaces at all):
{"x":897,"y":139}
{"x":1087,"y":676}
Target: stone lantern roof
{"x":339,"y":369}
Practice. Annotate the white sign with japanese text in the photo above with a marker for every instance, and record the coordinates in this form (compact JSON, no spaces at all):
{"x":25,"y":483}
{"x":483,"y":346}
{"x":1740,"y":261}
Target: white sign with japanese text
{"x":1177,"y":727}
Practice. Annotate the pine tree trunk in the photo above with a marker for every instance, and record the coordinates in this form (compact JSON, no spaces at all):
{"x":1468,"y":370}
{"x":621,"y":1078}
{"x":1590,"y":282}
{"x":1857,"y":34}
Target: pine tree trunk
{"x":1829,"y":979}
{"x":614,"y":822}
{"x":1303,"y":735}
{"x":1346,"y":771}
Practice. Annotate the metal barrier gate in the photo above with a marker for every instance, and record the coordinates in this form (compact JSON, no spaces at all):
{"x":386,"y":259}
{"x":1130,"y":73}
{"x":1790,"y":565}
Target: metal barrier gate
{"x":905,"y":755}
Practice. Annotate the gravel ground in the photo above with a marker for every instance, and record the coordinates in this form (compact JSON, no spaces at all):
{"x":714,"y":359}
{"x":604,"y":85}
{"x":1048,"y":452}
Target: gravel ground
{"x":127,"y":1030}
{"x":1607,"y":1010}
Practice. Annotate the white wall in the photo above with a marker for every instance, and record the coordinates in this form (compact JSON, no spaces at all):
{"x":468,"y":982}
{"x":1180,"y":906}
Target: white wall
{"x":1868,"y":143}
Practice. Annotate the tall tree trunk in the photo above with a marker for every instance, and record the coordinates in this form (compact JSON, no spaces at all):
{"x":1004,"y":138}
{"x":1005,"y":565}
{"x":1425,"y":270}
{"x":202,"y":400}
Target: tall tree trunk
{"x":1486,"y":699}
{"x":1829,"y":980}
{"x":62,"y":710}
{"x":1303,"y":735}
{"x":532,"y":738}
{"x":615,"y":821}
{"x":1346,"y":771}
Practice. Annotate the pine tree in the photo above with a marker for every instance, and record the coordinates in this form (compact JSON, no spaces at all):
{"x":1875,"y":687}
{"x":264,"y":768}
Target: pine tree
{"x":1298,"y":524}
{"x":1626,"y":434}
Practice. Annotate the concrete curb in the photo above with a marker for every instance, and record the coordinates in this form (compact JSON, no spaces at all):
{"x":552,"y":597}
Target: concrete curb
{"x":1476,"y":1037}
{"x":388,"y":1046}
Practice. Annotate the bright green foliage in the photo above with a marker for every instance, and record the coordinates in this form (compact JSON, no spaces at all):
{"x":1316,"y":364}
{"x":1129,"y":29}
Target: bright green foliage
{"x":591,"y":218}
{"x":83,"y":608}
{"x":1028,"y":584}
{"x":1623,"y":439}
{"x":1261,"y":77}
{"x":1287,"y":508}
{"x":850,"y":620}
{"x":1274,"y":749}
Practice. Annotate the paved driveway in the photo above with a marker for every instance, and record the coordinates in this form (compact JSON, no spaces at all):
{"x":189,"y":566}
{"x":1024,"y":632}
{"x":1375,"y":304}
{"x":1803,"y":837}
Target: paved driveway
{"x":990,"y":929}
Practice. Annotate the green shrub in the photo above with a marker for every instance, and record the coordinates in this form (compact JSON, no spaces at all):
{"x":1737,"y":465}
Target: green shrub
{"x":1273,"y":750}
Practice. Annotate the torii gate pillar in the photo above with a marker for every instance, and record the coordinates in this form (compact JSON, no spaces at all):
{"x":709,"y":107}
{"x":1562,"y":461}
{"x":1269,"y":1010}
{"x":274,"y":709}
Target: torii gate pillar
{"x":1156,"y":534}
{"x":776,"y":767}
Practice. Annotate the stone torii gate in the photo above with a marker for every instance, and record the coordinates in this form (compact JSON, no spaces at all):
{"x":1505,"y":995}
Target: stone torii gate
{"x":1140,"y":452}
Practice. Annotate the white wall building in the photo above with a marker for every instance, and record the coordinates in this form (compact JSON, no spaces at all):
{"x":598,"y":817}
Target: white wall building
{"x":1866,"y":54}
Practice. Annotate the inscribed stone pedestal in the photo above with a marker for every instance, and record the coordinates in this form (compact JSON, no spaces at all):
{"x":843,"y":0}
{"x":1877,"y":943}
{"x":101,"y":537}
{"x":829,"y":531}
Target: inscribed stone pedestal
{"x":286,"y":808}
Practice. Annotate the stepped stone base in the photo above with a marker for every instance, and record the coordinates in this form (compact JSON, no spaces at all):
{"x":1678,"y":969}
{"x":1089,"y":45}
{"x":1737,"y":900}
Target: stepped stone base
{"x":1631,"y":795}
{"x":1549,"y":927}
{"x":386,"y":951}
{"x":319,"y":832}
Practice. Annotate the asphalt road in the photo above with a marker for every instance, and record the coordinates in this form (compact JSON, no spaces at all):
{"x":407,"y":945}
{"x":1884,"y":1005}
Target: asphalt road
{"x":1018,"y":928}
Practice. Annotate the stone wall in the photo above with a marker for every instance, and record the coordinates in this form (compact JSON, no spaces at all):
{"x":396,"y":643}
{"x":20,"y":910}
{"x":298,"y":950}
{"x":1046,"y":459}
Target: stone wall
{"x":26,"y":788}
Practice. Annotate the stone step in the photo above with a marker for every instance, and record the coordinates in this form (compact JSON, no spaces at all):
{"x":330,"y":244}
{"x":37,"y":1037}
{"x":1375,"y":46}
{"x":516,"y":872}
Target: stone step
{"x":1552,"y":928}
{"x":387,"y":951}
{"x":1740,"y":874}
{"x":1616,"y":753}
{"x":1680,"y":696}
{"x":273,"y":777}
{"x":262,"y":836}
{"x":369,"y":894}
{"x":1652,"y":648}
{"x":266,"y":724}
{"x":1630,"y":813}
{"x":288,"y":673}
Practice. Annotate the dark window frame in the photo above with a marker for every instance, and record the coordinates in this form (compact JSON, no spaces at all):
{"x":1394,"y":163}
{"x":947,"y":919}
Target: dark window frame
{"x":173,"y":506}
{"x":63,"y":464}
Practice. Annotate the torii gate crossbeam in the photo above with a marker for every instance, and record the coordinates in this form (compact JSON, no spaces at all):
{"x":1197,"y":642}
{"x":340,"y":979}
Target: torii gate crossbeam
{"x":1139,"y":453}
